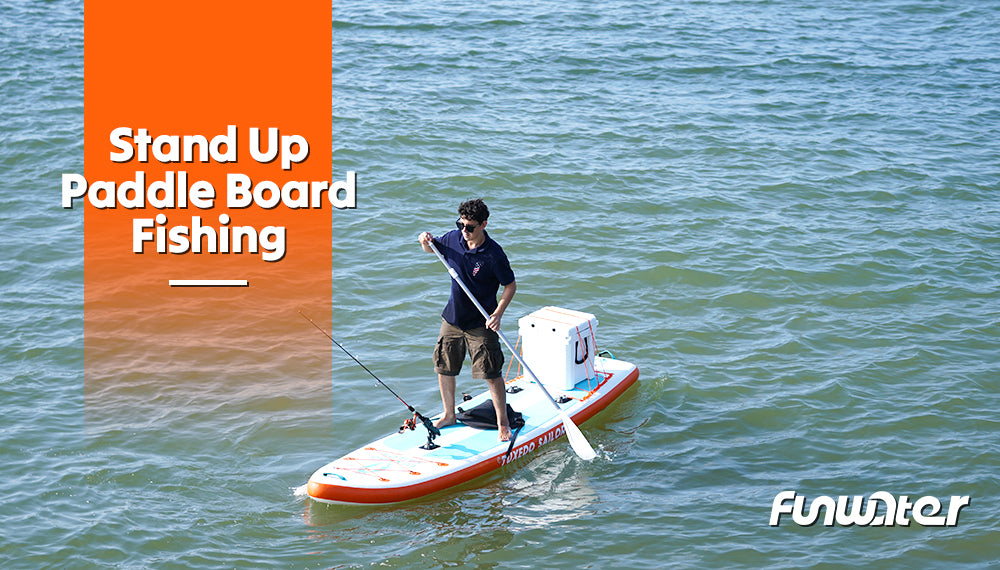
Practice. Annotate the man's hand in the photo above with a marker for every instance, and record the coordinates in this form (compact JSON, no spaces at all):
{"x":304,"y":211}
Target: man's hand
{"x":425,"y":241}
{"x":493,"y":323}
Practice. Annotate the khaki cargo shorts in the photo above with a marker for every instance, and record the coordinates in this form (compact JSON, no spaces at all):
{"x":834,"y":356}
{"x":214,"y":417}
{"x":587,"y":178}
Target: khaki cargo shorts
{"x":482,"y":344}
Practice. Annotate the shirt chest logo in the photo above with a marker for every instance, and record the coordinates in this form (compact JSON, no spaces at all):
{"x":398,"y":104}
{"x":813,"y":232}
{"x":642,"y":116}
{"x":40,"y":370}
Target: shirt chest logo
{"x":476,"y":268}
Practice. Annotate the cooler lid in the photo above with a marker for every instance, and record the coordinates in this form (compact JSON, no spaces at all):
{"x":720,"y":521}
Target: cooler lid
{"x":557,"y":319}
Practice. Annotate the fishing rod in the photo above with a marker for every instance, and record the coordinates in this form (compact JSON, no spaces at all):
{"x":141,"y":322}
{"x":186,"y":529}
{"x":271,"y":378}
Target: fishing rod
{"x":432,"y":430}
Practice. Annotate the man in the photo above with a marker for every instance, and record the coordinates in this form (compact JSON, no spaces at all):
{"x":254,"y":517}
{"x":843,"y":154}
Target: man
{"x":483,"y":266}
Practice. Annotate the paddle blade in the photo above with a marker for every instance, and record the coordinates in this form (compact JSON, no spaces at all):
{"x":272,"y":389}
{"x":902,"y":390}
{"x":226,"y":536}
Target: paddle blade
{"x":576,"y":439}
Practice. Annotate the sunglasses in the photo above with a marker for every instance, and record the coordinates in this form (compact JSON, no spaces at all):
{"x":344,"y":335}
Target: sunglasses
{"x":466,"y":227}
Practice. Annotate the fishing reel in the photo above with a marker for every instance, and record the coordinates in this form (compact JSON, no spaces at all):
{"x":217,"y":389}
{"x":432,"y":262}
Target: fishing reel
{"x":409,"y":424}
{"x":432,"y":430}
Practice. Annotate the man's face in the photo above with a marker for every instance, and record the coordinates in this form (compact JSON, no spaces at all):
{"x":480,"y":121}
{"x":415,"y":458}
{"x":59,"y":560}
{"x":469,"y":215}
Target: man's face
{"x":470,"y":228}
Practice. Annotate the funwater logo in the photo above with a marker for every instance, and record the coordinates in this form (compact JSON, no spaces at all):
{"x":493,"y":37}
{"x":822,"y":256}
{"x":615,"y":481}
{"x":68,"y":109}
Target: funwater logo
{"x":848,"y":511}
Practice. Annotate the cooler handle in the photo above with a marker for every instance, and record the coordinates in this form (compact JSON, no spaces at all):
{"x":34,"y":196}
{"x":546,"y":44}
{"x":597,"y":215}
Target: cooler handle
{"x":586,"y":350}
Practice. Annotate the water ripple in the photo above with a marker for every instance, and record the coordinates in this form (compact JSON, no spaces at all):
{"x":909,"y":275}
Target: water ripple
{"x":785,"y":214}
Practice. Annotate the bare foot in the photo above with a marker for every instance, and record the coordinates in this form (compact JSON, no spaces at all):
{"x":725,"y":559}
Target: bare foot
{"x":445,"y":421}
{"x":505,"y":433}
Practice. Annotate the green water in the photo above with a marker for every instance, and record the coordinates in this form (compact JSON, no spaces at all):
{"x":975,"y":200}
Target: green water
{"x":785,"y":214}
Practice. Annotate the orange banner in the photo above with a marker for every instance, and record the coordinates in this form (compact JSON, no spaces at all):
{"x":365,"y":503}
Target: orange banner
{"x":207,"y":148}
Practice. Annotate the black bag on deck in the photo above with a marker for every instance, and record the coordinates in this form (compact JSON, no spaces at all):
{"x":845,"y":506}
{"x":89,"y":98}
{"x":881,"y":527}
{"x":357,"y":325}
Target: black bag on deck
{"x":484,"y":416}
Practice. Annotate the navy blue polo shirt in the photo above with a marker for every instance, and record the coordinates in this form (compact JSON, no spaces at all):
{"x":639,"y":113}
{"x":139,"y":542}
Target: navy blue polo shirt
{"x":483,"y":269}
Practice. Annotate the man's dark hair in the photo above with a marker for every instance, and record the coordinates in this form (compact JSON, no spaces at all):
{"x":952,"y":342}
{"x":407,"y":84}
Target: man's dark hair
{"x":474,"y":210}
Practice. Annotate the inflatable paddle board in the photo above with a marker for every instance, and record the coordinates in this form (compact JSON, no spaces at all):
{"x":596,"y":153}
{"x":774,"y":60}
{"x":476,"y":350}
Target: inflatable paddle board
{"x":402,"y":466}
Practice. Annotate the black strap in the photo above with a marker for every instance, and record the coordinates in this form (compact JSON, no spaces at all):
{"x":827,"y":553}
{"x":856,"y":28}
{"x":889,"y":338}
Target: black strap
{"x":513,"y":438}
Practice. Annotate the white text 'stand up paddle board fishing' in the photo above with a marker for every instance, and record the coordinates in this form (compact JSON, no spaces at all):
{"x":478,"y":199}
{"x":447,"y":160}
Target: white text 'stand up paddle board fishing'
{"x":565,"y":383}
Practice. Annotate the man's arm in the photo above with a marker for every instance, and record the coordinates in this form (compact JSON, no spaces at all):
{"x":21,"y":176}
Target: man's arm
{"x":493,"y":323}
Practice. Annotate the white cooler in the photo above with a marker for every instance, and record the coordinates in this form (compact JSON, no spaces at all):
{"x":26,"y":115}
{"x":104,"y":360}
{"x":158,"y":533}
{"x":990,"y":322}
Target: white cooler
{"x":558,"y":346}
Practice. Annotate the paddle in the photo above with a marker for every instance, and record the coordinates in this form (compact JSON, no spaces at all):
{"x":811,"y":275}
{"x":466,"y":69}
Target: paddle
{"x":577,"y":441}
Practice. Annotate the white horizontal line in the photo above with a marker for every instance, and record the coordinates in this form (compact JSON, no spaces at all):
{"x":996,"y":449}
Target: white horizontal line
{"x":209,"y":283}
